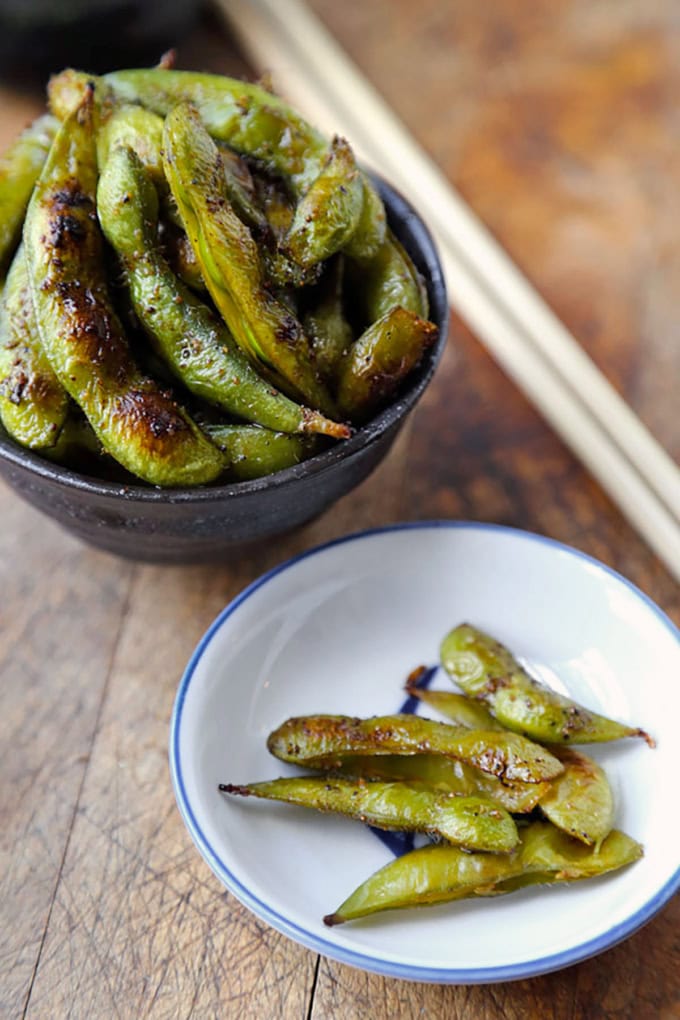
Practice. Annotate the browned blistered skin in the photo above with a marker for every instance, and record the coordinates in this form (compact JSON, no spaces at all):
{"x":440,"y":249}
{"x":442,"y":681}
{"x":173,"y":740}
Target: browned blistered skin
{"x":138,"y":423}
{"x":324,"y":740}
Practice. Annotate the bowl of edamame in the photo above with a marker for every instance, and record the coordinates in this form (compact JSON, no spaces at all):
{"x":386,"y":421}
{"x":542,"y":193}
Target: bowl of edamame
{"x":213,"y":322}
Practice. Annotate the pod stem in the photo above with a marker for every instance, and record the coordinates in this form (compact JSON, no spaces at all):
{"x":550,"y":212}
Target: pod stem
{"x":315,"y":422}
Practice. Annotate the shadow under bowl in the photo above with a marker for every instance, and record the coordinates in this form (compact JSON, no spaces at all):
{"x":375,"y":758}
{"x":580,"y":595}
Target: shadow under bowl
{"x":193,"y":525}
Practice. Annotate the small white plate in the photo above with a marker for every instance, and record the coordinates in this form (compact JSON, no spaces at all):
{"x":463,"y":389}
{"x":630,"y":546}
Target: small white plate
{"x":337,"y":630}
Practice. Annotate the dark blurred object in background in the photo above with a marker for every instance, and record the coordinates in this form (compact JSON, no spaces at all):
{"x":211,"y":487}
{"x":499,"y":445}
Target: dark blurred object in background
{"x":38,"y":37}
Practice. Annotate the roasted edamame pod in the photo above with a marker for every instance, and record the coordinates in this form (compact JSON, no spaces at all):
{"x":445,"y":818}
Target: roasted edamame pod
{"x":177,"y":250}
{"x":20,"y":168}
{"x":138,"y":129}
{"x":280,"y":270}
{"x":33,"y":403}
{"x":328,"y":214}
{"x":485,"y":669}
{"x":259,"y":124}
{"x":444,"y":774}
{"x":197,"y":347}
{"x":229,"y":260}
{"x":379,"y":361}
{"x":246,"y":117}
{"x":325,"y":323}
{"x":439,"y":874}
{"x":253,"y":452}
{"x":389,"y":278}
{"x":137,"y":422}
{"x":313,"y":739}
{"x":473,"y":822}
{"x":580,"y":801}
{"x":458,"y":709}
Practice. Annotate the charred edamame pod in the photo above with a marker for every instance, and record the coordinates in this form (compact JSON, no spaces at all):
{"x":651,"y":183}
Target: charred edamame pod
{"x":380,"y":360}
{"x":458,"y":709}
{"x":33,"y":403}
{"x":387,"y":279}
{"x":20,"y":168}
{"x":439,"y":874}
{"x":328,"y":214}
{"x":135,"y":128}
{"x":280,"y":270}
{"x":309,"y":740}
{"x":199,"y":349}
{"x":246,"y":117}
{"x":444,"y":774}
{"x":580,"y":801}
{"x":229,"y":260}
{"x":473,"y":822}
{"x":325,"y":323}
{"x":485,"y":669}
{"x":253,"y":452}
{"x":138,"y":423}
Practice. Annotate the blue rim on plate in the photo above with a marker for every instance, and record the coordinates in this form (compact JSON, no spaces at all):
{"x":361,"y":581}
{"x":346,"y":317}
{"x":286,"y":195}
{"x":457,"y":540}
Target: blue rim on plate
{"x":525,"y":969}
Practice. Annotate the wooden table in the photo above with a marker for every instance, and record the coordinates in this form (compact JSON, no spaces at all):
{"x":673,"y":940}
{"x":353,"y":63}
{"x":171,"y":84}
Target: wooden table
{"x":558,"y":121}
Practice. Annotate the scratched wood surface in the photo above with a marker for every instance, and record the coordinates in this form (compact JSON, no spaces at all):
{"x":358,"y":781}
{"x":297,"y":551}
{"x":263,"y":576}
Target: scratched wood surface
{"x":558,"y":122}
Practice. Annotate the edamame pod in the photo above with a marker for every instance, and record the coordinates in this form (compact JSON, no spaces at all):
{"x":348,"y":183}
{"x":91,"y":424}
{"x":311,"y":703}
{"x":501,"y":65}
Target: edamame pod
{"x":281,"y":270}
{"x":458,"y":709}
{"x":314,"y":739}
{"x":252,"y":451}
{"x":378,"y":362}
{"x":20,"y":168}
{"x":440,"y":874}
{"x":229,"y":260}
{"x":325,"y":323}
{"x":444,"y":774}
{"x":138,"y":423}
{"x":328,"y":214}
{"x":138,"y":129}
{"x":246,"y":117}
{"x":485,"y":669}
{"x":198,"y":349}
{"x":259,"y":124}
{"x":176,"y":248}
{"x":371,"y":230}
{"x":473,"y":822}
{"x":580,"y":801}
{"x":33,"y":403}
{"x":386,"y":280}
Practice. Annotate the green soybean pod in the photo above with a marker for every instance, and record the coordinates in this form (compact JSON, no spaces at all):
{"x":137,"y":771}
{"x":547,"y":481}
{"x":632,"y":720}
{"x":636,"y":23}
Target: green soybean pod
{"x":457,"y":708}
{"x":328,"y":214}
{"x":33,"y":403}
{"x":137,"y":423}
{"x":580,"y":801}
{"x":445,"y":775}
{"x":443,"y":874}
{"x":261,"y":325}
{"x":379,"y":361}
{"x":473,"y":822}
{"x":197,"y":347}
{"x":325,"y":323}
{"x":253,"y":452}
{"x":259,"y":124}
{"x":20,"y":168}
{"x":485,"y":669}
{"x":138,"y":129}
{"x":387,"y":279}
{"x":314,"y":739}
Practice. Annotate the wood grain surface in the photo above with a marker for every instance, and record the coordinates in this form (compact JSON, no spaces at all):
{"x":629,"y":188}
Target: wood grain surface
{"x":558,"y":122}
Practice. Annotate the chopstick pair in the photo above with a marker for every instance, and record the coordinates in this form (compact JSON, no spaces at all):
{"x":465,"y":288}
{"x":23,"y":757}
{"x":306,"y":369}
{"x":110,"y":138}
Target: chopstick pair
{"x":485,"y":287}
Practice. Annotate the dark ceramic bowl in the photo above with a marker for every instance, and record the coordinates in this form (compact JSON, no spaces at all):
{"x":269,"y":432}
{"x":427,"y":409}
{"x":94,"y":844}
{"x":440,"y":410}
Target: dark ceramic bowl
{"x":189,"y":525}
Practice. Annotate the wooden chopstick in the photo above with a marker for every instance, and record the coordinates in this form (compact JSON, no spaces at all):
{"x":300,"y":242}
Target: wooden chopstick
{"x":485,"y":287}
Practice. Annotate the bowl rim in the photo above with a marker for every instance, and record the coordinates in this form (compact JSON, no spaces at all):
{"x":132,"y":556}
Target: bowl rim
{"x":400,"y":212}
{"x":352,"y":957}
